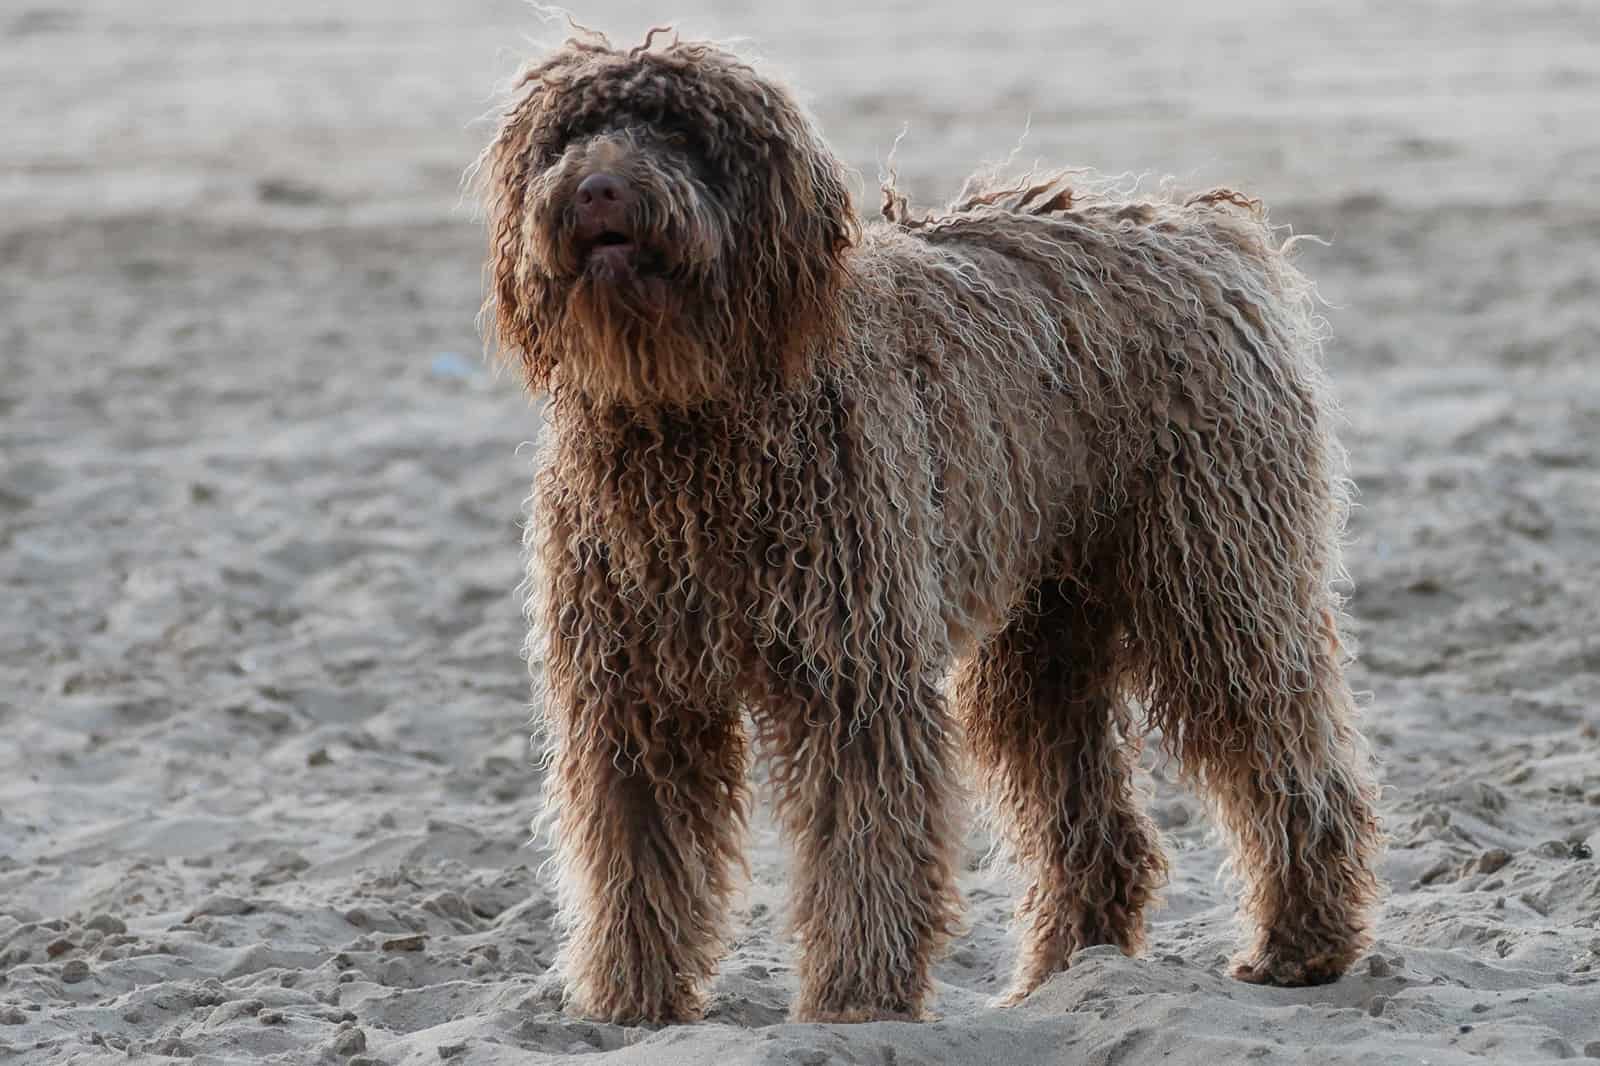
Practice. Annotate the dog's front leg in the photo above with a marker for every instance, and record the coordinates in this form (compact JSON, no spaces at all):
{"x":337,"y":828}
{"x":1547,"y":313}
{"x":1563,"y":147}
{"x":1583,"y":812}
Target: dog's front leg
{"x":863,"y":772}
{"x":647,"y":789}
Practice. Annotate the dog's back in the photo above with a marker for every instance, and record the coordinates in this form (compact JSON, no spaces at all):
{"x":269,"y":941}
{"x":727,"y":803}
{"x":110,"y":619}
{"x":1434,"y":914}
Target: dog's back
{"x":1049,"y":343}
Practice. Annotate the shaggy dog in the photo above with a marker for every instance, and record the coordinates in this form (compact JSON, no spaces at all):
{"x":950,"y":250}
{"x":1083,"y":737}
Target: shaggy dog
{"x":1024,"y":473}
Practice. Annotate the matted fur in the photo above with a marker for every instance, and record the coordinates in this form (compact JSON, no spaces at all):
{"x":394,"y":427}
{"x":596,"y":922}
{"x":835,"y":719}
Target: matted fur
{"x":1071,"y":447}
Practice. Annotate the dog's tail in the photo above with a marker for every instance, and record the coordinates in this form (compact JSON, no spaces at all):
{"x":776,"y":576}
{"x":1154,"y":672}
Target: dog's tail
{"x":1027,"y":197}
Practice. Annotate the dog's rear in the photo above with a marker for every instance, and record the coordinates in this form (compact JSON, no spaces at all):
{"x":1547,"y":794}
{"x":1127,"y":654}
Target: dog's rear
{"x":1148,"y":482}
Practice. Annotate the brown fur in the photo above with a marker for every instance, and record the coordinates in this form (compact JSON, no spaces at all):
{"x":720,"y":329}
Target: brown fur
{"x":1071,"y":446}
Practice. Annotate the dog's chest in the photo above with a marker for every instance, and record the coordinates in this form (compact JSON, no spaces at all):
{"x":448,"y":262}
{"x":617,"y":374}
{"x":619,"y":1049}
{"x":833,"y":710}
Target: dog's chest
{"x":691,"y":530}
{"x":715,"y":534}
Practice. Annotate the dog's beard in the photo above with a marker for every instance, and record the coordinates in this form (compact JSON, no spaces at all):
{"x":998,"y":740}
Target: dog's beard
{"x":639,"y":341}
{"x":642,"y":316}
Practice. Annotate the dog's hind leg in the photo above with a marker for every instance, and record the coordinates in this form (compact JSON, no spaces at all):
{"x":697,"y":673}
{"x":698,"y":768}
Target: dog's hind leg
{"x":1044,"y":717}
{"x":1226,"y":566}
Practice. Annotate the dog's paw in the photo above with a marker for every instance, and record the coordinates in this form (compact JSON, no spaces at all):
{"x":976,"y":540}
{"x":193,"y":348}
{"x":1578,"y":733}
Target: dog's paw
{"x":1286,"y":971}
{"x":1015,"y":996}
{"x":858,"y":1015}
{"x":670,"y":1010}
{"x":649,"y":1018}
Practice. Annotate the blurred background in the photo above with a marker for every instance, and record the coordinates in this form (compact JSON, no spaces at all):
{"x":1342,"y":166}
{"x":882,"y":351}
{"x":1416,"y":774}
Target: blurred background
{"x":262,"y":708}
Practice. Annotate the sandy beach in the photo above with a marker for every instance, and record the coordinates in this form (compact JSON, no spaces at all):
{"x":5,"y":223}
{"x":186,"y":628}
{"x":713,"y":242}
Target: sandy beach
{"x":265,"y":778}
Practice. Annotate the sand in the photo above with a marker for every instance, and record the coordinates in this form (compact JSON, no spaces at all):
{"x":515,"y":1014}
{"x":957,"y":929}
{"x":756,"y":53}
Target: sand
{"x":264,"y":770}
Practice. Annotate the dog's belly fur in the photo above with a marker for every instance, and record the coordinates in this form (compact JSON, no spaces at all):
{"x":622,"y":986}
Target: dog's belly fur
{"x":1010,"y":475}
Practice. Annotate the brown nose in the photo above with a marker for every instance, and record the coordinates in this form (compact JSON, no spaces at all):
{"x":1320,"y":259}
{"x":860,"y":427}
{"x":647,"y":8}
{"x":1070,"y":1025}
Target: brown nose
{"x":603,"y":199}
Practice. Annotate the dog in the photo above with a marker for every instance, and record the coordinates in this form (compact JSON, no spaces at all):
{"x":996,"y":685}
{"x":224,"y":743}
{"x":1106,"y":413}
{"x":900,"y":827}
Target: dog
{"x":1006,"y":483}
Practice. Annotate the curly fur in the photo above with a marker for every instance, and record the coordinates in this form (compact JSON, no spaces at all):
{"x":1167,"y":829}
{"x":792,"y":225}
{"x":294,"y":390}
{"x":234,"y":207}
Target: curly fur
{"x":1069,"y":445}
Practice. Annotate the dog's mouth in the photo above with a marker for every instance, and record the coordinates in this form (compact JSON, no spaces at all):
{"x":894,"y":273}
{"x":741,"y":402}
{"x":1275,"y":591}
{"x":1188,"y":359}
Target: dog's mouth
{"x":611,"y":243}
{"x":614,"y":255}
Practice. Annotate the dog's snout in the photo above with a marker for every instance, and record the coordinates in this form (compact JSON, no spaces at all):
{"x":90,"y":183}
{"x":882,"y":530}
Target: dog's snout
{"x":603,"y":199}
{"x":600,"y":186}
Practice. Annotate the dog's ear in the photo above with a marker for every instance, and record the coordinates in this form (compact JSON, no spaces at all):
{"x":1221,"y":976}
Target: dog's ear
{"x":816,"y":225}
{"x":504,"y":173}
{"x":508,"y":165}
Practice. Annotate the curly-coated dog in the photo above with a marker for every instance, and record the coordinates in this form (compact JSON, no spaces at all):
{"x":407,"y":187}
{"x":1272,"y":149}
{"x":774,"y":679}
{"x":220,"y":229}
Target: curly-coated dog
{"x":1021,"y":474}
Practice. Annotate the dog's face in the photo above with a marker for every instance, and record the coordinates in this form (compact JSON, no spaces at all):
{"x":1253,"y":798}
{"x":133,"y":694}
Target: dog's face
{"x":665,"y":225}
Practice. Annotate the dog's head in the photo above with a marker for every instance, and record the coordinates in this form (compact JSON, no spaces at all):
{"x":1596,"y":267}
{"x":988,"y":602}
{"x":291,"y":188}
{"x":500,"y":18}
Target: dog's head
{"x":665,"y":224}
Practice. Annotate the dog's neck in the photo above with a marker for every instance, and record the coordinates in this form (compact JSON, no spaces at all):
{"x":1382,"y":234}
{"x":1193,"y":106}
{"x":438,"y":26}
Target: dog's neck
{"x":616,"y":365}
{"x":697,"y":450}
{"x":694,"y":422}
